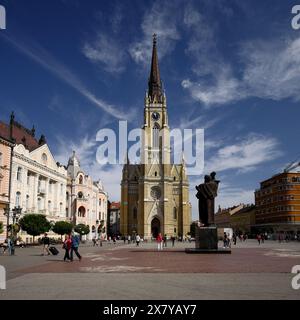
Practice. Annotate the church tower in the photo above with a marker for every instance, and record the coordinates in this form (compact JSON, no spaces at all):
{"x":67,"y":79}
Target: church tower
{"x":155,"y":193}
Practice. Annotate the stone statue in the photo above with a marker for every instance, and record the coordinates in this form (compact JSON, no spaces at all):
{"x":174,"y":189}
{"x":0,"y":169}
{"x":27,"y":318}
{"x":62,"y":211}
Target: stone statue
{"x":206,"y":193}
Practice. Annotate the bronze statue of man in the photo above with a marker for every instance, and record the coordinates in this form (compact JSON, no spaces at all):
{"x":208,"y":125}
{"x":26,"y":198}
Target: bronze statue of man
{"x":206,"y":193}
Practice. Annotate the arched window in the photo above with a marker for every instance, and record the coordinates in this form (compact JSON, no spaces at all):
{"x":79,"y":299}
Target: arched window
{"x":155,"y":136}
{"x":175,"y":213}
{"x":80,"y":179}
{"x":134,"y":213}
{"x":61,"y":208}
{"x":81,"y":212}
{"x":155,"y":173}
{"x":19,"y":174}
{"x":99,"y":202}
{"x":18,"y":199}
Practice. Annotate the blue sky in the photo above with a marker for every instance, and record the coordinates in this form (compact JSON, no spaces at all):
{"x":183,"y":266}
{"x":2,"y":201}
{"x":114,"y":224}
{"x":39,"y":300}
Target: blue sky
{"x":231,"y":67}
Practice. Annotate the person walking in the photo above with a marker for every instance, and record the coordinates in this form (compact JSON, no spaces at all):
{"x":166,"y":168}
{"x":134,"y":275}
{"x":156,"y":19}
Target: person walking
{"x":67,"y":246}
{"x":258,"y":237}
{"x":165,"y":240}
{"x":46,"y":244}
{"x":234,"y":239}
{"x":74,"y":246}
{"x":159,"y":240}
{"x":138,"y":239}
{"x":129,"y":239}
{"x":173,"y":241}
{"x":10,"y":246}
{"x":225,"y":240}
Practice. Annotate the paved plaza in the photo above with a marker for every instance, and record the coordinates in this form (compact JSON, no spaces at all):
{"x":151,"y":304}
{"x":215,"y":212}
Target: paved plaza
{"x":124,"y":271}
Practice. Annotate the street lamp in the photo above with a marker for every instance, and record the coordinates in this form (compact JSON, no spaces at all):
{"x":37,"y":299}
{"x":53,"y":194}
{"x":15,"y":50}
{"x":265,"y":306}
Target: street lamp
{"x":6,"y":213}
{"x":16,"y":213}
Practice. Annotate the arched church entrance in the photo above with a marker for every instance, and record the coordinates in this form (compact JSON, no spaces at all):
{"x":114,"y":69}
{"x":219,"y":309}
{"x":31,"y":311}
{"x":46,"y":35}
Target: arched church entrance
{"x":155,"y":227}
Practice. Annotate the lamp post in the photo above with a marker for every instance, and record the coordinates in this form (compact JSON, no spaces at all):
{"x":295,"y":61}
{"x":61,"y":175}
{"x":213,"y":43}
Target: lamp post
{"x":16,"y":213}
{"x":6,"y":213}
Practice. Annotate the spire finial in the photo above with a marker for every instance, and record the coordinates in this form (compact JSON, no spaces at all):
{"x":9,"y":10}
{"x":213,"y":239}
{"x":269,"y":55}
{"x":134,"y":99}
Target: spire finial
{"x":154,"y":84}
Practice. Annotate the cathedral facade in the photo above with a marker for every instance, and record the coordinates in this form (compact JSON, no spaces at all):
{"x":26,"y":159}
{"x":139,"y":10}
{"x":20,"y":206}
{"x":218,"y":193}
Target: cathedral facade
{"x":155,"y":193}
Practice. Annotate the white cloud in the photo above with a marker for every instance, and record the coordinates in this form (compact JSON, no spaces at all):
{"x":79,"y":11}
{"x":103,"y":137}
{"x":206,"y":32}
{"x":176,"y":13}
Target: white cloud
{"x":44,"y":59}
{"x":264,"y":74}
{"x":162,"y":20}
{"x":230,"y":196}
{"x":106,"y":52}
{"x":245,"y":155}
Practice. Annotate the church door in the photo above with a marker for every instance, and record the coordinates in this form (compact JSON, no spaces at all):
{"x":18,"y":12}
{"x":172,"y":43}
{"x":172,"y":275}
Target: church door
{"x":155,"y":227}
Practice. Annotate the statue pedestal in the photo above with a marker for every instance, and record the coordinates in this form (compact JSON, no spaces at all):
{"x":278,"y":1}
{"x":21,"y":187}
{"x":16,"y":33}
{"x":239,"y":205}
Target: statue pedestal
{"x":207,"y":238}
{"x":207,"y":241}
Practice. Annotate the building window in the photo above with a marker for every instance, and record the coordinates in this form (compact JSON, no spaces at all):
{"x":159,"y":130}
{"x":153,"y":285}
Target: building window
{"x":61,"y":189}
{"x":27,"y":202}
{"x":175,"y":230}
{"x":61,"y":208}
{"x":19,"y":174}
{"x":1,"y":159}
{"x":18,"y":199}
{"x":49,"y":206}
{"x":80,"y":195}
{"x":80,"y":179}
{"x":99,"y":202}
{"x":44,"y":158}
{"x":39,"y":204}
{"x":81,"y":212}
{"x":175,"y":213}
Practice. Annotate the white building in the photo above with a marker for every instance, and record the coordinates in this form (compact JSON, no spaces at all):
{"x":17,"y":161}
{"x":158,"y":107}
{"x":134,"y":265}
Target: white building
{"x":86,"y":200}
{"x":38,"y":183}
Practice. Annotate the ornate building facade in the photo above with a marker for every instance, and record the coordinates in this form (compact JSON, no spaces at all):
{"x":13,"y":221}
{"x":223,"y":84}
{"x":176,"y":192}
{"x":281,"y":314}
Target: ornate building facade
{"x":86,"y":200}
{"x":155,"y":193}
{"x":38,"y":182}
{"x":5,"y":163}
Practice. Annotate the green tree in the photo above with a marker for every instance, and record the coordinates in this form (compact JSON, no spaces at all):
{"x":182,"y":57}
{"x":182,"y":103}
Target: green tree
{"x":62,"y":227}
{"x":82,"y":229}
{"x":34,"y":224}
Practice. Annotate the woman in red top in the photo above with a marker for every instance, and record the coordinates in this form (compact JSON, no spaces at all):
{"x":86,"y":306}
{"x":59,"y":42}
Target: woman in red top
{"x":159,"y":240}
{"x":67,"y":246}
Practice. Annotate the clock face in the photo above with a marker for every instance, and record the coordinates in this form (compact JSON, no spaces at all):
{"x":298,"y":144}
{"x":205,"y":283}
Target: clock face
{"x":155,"y":116}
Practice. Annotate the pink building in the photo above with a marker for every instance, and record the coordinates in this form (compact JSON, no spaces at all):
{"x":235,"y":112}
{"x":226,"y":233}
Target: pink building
{"x":5,"y":165}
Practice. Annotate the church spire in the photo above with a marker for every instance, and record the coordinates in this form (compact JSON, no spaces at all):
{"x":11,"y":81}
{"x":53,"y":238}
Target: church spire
{"x":154,"y":84}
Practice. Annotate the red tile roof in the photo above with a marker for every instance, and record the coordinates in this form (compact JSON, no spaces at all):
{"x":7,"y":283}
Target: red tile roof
{"x":20,"y":134}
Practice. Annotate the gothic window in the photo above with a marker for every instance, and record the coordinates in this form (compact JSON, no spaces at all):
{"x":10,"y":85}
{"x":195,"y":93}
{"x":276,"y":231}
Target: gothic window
{"x":155,"y":136}
{"x":18,"y":199}
{"x":155,"y":192}
{"x":60,"y":207}
{"x":175,"y":213}
{"x":155,"y":174}
{"x":19,"y":174}
{"x":80,"y":179}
